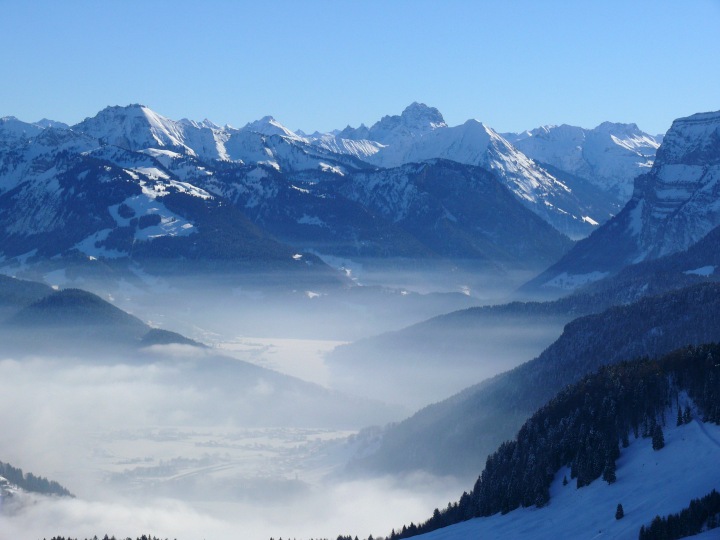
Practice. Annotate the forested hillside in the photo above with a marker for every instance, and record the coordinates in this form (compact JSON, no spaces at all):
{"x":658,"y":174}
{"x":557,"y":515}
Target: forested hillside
{"x":456,"y":435}
{"x":583,"y":428}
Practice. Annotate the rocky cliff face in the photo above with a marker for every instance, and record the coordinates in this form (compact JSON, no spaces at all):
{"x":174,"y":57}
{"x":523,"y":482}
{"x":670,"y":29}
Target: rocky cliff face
{"x":679,"y":201}
{"x":673,"y":206}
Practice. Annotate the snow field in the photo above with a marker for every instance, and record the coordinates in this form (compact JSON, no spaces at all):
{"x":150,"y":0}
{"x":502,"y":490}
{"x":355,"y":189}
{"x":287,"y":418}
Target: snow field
{"x":649,"y":483}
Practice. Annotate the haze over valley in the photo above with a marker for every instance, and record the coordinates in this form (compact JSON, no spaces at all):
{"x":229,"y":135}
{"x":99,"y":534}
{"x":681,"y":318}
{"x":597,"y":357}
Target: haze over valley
{"x":463,"y":282}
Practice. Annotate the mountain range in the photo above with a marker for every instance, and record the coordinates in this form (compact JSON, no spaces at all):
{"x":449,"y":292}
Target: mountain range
{"x":129,"y":186}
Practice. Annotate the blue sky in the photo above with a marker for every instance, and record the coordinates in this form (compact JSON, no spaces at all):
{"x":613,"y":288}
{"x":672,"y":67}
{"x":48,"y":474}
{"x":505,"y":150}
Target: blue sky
{"x":319,"y":65}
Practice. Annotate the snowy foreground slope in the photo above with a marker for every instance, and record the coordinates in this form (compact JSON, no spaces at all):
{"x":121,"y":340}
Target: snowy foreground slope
{"x":649,"y":483}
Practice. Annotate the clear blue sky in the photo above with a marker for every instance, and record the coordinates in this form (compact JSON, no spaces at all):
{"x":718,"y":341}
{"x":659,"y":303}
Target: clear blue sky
{"x":323,"y":64}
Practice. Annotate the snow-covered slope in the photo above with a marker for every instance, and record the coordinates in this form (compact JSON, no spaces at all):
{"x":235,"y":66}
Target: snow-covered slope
{"x":609,"y":156}
{"x":673,"y":206}
{"x":335,"y":142}
{"x":649,"y":483}
{"x":206,"y":138}
{"x":41,"y":158}
{"x":14,"y":131}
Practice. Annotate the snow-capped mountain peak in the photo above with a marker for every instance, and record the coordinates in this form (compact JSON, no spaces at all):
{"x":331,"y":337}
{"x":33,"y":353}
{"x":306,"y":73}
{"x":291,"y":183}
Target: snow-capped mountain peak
{"x":14,"y":130}
{"x":415,"y":121}
{"x":268,"y":126}
{"x":47,"y":123}
{"x":134,"y":127}
{"x":421,"y":116}
{"x":691,"y":139}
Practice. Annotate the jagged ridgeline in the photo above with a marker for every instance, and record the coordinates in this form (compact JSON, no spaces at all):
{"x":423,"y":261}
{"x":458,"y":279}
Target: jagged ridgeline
{"x":583,"y":428}
{"x":130,"y":187}
{"x":32,"y":483}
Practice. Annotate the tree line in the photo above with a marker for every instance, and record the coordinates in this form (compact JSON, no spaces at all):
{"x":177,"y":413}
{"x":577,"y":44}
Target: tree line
{"x":701,"y":514}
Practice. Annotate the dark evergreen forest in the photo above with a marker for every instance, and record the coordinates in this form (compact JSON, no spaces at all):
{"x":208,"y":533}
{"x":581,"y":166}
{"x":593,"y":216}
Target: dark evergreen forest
{"x":30,"y":482}
{"x":583,"y":428}
{"x":703,"y":513}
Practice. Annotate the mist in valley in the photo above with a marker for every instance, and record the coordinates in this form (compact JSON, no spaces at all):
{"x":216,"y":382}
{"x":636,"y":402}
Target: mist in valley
{"x":247,"y":436}
{"x":146,"y":449}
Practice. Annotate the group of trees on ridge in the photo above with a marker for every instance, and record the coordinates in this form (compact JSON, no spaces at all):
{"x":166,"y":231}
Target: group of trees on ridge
{"x":583,"y":428}
{"x":30,"y":482}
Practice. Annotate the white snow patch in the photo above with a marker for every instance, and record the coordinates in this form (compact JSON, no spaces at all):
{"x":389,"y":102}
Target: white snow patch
{"x":325,"y":167}
{"x":157,"y":152}
{"x":311,"y":220}
{"x":160,"y":189}
{"x":591,"y":221}
{"x":702,"y":271}
{"x":297,"y":256}
{"x":89,"y":247}
{"x":573,"y":281}
{"x":153,"y":173}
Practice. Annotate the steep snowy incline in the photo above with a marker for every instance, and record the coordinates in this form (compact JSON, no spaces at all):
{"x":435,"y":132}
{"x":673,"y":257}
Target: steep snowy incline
{"x":649,"y":483}
{"x":335,"y":142}
{"x":206,"y":139}
{"x":134,"y":127}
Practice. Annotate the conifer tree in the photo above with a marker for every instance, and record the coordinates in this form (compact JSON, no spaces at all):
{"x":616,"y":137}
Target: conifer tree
{"x":609,"y":473}
{"x":619,"y":513}
{"x":658,"y":439}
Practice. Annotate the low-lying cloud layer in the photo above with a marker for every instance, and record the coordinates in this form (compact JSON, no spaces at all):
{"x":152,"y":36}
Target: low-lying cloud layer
{"x":148,"y":452}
